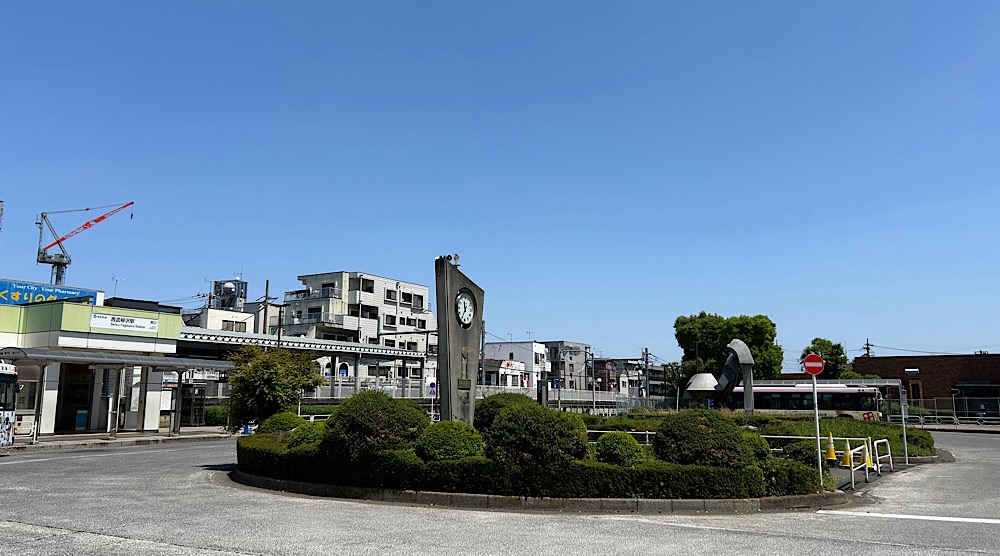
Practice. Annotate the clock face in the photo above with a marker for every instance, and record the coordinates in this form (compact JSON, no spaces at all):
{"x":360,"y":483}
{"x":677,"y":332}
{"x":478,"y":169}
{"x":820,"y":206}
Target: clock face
{"x":465,"y":309}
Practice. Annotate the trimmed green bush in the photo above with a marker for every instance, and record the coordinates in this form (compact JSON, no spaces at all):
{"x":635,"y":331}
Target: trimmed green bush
{"x":701,"y":437}
{"x":306,"y":433}
{"x":284,"y":421}
{"x":785,"y":477}
{"x":216,"y":415}
{"x":619,"y":448}
{"x":488,"y":408}
{"x":529,"y":434}
{"x":760,"y":450}
{"x":449,"y":440}
{"x":372,"y":421}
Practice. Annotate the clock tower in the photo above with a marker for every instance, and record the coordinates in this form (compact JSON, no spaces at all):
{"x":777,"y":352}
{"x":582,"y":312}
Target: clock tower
{"x":460,"y":329}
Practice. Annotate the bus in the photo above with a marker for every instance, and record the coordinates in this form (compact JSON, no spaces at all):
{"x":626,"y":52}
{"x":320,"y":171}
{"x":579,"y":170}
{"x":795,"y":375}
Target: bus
{"x":8,"y":392}
{"x":835,"y":400}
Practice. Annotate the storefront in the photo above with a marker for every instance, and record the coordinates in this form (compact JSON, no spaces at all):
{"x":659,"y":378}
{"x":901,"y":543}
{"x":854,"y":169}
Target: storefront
{"x":76,"y":391}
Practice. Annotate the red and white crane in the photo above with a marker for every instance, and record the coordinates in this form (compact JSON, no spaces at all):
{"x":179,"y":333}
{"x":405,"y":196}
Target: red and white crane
{"x":60,"y":261}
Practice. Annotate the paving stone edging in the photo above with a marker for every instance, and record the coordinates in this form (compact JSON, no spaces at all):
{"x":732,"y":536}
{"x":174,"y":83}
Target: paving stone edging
{"x":518,"y":503}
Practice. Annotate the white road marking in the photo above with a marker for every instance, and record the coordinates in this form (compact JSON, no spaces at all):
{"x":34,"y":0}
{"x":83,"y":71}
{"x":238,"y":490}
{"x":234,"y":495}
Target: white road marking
{"x":917,"y":517}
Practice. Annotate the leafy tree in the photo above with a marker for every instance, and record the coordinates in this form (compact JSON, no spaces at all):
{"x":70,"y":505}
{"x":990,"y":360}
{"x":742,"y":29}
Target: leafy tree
{"x":834,"y":357}
{"x":850,"y":374}
{"x":265,"y":381}
{"x":704,"y":338}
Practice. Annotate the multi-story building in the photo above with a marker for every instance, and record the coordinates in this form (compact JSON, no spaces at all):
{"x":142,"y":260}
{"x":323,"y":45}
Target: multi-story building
{"x":570,"y":362}
{"x":359,"y":307}
{"x":531,"y":354}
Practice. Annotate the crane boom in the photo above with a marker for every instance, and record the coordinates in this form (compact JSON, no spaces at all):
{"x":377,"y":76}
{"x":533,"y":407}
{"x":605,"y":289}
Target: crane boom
{"x":88,"y":225}
{"x":60,"y":261}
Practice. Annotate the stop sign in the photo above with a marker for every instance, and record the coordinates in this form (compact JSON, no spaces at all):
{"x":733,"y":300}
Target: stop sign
{"x":813,"y":364}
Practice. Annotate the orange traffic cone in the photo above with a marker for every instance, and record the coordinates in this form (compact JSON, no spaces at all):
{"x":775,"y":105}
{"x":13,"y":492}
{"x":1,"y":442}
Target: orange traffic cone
{"x":831,"y":452}
{"x":848,"y":460}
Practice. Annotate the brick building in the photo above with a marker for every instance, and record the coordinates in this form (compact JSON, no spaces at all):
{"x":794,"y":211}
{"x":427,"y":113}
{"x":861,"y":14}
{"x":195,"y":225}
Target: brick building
{"x":938,"y":376}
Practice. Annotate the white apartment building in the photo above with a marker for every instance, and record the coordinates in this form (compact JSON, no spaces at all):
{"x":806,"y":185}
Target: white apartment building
{"x":359,"y":307}
{"x":531,"y":354}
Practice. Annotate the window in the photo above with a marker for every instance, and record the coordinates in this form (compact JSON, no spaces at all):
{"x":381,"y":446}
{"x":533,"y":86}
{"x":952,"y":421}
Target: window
{"x":26,"y":397}
{"x":510,"y":356}
{"x":234,"y":326}
{"x":407,"y":297}
{"x":411,"y":346}
{"x":315,"y":310}
{"x":418,"y":301}
{"x":390,"y":320}
{"x":422,"y":324}
{"x":390,"y":295}
{"x":912,"y":371}
{"x":373,"y":341}
{"x":390,"y":343}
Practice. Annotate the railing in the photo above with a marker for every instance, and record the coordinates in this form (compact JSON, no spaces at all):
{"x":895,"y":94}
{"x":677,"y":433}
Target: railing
{"x":323,"y":293}
{"x":863,"y":451}
{"x":946,"y":411}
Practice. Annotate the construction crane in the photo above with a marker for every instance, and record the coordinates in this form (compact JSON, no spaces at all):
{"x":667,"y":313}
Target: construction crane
{"x":61,"y":260}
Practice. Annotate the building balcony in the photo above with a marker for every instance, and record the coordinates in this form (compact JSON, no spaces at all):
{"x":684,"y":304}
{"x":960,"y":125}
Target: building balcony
{"x":324,"y":293}
{"x":355,"y":297}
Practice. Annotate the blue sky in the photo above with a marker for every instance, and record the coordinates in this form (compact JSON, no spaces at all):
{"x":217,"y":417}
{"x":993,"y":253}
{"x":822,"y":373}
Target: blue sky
{"x":601,"y":167}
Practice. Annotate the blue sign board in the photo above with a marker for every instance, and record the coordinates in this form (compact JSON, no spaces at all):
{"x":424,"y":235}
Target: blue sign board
{"x":18,"y":293}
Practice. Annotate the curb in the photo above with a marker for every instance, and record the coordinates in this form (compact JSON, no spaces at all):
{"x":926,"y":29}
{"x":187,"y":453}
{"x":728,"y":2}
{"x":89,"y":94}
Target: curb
{"x":523,"y":504}
{"x":91,"y":444}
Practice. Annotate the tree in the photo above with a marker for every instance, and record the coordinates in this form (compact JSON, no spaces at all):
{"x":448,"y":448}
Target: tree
{"x":834,"y":357}
{"x":704,"y":338}
{"x":265,"y":381}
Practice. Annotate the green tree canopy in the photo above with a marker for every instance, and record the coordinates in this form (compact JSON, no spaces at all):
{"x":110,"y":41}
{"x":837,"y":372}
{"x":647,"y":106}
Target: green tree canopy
{"x":265,"y":381}
{"x":834,"y":357}
{"x":704,"y":338}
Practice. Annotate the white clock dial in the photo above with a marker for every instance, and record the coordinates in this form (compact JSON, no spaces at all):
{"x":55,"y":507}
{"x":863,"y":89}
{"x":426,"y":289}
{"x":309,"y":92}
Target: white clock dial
{"x":465,"y":308}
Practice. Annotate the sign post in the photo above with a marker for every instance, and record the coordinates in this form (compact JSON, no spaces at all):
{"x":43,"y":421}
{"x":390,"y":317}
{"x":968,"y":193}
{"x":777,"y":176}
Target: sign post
{"x":903,"y":407}
{"x":813,"y":364}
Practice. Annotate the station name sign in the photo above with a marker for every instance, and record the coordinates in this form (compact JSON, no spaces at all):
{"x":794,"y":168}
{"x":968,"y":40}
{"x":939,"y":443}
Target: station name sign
{"x":118,"y":322}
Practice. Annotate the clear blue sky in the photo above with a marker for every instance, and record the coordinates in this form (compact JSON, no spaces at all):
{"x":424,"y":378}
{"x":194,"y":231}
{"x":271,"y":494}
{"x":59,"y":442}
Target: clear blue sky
{"x":601,"y":167}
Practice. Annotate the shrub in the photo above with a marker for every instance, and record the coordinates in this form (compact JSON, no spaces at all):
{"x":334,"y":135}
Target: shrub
{"x":372,"y":421}
{"x":701,"y":437}
{"x":785,"y":477}
{"x":306,"y":433}
{"x":760,"y":450}
{"x":529,"y":434}
{"x":216,"y":415}
{"x":284,"y":421}
{"x":449,"y":440}
{"x":801,"y":451}
{"x":619,"y":448}
{"x":488,"y":408}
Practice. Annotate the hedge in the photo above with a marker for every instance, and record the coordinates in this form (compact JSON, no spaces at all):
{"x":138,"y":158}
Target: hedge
{"x":534,"y":435}
{"x":449,"y":440}
{"x":217,"y":415}
{"x":489,"y":408}
{"x":284,"y":421}
{"x":619,"y":448}
{"x":701,"y":437}
{"x":402,"y":469}
{"x":372,"y":421}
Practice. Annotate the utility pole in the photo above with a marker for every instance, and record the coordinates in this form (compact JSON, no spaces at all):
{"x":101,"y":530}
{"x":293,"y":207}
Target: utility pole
{"x":645,"y":370}
{"x":868,"y":348}
{"x":267,"y":303}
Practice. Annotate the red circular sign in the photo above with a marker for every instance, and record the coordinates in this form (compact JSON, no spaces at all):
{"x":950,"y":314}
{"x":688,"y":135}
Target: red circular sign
{"x":813,"y":364}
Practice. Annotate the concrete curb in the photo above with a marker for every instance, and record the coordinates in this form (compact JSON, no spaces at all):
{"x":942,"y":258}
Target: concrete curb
{"x":91,"y":444}
{"x":522,"y":504}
